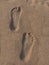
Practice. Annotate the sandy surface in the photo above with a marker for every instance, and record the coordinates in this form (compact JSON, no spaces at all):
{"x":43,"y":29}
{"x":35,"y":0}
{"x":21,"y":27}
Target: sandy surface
{"x":35,"y":19}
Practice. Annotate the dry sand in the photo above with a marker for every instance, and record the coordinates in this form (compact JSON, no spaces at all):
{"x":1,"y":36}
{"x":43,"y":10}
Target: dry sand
{"x":35,"y":19}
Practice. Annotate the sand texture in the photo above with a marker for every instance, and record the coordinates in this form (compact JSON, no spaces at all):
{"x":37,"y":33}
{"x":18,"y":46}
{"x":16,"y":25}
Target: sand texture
{"x":24,"y":32}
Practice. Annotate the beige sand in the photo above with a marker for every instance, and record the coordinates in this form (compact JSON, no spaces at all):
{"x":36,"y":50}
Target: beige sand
{"x":35,"y":18}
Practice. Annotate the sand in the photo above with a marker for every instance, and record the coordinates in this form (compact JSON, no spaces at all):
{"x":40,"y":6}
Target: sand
{"x":33,"y":18}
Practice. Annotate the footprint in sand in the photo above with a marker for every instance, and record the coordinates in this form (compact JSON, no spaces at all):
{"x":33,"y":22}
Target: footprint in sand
{"x":28,"y":42}
{"x":15,"y":18}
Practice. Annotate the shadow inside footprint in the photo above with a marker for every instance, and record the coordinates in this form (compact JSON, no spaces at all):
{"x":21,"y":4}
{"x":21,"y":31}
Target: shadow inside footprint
{"x":12,"y":27}
{"x":22,"y":54}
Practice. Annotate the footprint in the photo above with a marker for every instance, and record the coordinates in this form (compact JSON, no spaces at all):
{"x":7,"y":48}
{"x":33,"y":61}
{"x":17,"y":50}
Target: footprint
{"x":28,"y":43}
{"x":15,"y":18}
